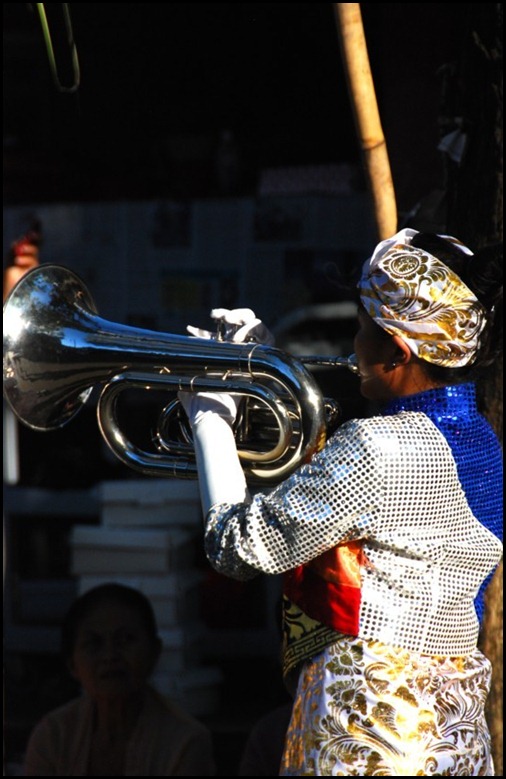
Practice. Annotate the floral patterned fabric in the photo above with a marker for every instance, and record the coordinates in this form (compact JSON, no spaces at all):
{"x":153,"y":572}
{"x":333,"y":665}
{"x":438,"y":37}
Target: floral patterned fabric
{"x":366,"y":709}
{"x":412,"y":294}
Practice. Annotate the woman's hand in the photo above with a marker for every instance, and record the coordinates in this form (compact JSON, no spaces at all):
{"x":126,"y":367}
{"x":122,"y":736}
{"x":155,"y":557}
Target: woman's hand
{"x":238,"y":325}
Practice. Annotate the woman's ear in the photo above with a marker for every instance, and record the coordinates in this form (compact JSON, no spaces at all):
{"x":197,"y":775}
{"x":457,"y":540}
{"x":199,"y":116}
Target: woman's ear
{"x":402,"y":352}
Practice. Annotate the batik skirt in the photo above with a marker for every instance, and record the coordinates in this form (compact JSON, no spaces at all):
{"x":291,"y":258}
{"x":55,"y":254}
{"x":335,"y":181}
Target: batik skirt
{"x":365,"y":709}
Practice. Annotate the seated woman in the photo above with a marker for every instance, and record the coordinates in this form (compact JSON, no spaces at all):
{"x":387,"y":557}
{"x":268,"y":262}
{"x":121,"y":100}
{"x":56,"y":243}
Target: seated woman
{"x":120,"y":726}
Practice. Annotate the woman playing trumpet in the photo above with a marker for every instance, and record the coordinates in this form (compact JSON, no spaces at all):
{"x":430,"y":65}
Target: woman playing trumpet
{"x":389,"y":536}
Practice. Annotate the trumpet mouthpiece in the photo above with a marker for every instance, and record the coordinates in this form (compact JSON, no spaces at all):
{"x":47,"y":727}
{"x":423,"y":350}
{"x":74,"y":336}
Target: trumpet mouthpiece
{"x":332,"y":362}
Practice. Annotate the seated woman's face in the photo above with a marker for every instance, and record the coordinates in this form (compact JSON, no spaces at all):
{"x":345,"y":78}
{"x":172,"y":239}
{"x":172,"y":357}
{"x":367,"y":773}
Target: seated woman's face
{"x":113,"y":653}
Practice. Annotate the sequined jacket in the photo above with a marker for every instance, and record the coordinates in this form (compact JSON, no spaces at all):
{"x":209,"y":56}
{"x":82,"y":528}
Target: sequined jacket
{"x":396,"y":522}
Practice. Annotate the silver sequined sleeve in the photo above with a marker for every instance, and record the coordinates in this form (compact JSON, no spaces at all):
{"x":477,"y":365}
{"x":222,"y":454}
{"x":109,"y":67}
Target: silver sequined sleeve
{"x":325,"y":502}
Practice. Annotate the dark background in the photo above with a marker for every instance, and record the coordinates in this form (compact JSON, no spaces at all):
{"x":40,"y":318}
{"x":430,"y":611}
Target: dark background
{"x":161,"y":82}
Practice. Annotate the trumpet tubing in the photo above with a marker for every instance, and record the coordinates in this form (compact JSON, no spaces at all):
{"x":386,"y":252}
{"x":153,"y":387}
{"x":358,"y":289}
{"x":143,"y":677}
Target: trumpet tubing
{"x":57,"y":349}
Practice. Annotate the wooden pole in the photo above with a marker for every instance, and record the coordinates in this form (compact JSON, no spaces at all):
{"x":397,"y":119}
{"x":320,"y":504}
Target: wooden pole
{"x":362,"y":94}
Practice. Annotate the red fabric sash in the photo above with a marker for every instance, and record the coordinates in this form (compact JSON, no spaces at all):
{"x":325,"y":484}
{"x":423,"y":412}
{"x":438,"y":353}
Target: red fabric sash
{"x":328,"y":589}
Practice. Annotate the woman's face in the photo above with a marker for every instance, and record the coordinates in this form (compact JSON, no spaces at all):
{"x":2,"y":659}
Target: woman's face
{"x":375,"y":350}
{"x":113,"y":653}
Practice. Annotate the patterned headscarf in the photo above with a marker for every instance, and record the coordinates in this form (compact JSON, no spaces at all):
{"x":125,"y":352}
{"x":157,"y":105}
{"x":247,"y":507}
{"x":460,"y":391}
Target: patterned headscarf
{"x":412,"y":294}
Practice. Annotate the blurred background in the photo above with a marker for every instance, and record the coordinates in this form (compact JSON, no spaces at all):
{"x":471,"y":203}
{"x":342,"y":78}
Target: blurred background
{"x":178,"y":157}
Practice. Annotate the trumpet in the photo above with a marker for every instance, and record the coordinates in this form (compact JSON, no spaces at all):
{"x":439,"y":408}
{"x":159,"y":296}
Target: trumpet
{"x":57,"y":350}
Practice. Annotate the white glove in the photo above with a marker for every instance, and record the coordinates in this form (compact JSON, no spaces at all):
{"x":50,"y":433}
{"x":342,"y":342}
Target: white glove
{"x":221,"y":478}
{"x":212,"y":414}
{"x":198,"y":404}
{"x":238,"y":325}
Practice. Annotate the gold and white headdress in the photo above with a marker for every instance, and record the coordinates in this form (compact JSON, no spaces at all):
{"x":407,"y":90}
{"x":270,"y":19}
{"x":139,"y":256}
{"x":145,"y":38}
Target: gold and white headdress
{"x":412,"y":294}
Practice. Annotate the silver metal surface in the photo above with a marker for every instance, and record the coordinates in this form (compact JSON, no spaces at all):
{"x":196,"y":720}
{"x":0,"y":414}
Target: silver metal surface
{"x":57,"y":349}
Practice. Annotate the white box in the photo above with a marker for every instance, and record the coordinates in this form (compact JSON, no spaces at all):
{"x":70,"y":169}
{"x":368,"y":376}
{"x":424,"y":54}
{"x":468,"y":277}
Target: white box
{"x":181,"y":649}
{"x":150,"y":503}
{"x":111,"y":551}
{"x":175,"y":597}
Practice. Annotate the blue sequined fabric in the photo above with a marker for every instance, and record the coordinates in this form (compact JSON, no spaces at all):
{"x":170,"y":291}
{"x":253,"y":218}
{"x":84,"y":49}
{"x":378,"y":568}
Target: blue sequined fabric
{"x":476,"y":450}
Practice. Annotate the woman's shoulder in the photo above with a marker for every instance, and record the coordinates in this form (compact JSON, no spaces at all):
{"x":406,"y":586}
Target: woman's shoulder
{"x":381,"y":441}
{"x":379,"y":425}
{"x":170,"y":740}
{"x":65,"y":715}
{"x":166,"y":709}
{"x":57,"y":729}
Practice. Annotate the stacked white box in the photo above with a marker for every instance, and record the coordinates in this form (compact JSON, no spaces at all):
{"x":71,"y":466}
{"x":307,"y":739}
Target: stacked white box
{"x":150,"y":503}
{"x":182,"y":649}
{"x":175,"y":597}
{"x":147,"y":540}
{"x":117,"y":551}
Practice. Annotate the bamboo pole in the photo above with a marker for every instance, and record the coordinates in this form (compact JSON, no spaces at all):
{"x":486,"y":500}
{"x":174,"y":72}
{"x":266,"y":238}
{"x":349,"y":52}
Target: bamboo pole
{"x":363,"y":97}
